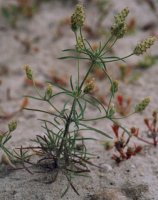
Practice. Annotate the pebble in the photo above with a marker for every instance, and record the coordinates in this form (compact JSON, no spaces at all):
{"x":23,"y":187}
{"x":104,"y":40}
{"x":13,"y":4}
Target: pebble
{"x":105,"y":168}
{"x":133,"y":166}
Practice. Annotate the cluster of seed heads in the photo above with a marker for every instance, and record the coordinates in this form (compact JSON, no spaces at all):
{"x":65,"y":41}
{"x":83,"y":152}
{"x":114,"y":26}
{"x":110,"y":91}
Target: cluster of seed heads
{"x":90,"y":86}
{"x":144,"y":45}
{"x":120,"y":17}
{"x":78,"y":17}
{"x":142,"y":105}
{"x":119,"y":28}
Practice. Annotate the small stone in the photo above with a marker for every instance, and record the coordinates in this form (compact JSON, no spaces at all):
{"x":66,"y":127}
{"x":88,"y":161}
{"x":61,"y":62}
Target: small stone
{"x":105,"y":168}
{"x":141,"y":174}
{"x":133,"y":166}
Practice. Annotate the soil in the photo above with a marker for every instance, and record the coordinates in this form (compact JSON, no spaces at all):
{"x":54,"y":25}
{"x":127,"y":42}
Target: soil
{"x":39,"y":41}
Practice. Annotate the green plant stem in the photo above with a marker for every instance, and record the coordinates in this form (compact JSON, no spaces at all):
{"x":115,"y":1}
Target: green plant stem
{"x":90,"y":68}
{"x":110,"y":38}
{"x":110,"y":46}
{"x":111,"y":85}
{"x":82,"y":39}
{"x":93,"y":119}
{"x":69,"y":120}
{"x":7,"y":151}
{"x":67,"y":125}
{"x":53,"y":106}
{"x":34,"y":84}
{"x":120,"y":58}
{"x":116,"y":118}
{"x":129,"y":133}
{"x":78,"y":71}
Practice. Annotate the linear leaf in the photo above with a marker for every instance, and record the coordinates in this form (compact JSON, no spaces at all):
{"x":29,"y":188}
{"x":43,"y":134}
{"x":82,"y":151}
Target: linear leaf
{"x":96,"y":130}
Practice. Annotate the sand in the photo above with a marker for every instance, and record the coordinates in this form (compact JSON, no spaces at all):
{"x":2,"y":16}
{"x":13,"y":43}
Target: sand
{"x":44,"y":39}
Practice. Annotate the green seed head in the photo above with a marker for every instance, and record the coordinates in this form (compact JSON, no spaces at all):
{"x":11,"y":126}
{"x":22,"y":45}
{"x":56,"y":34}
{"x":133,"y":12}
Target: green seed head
{"x":120,"y":17}
{"x":119,"y":27}
{"x":28,"y":72}
{"x":90,"y":86}
{"x":144,"y":45}
{"x":114,"y":86}
{"x":142,"y":105}
{"x":80,"y":44}
{"x":119,"y":30}
{"x":48,"y":92}
{"x":12,"y":126}
{"x":78,"y":17}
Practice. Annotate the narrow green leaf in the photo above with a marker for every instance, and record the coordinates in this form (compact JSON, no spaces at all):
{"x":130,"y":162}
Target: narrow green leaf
{"x":88,"y":101}
{"x":37,"y":110}
{"x":73,"y":57}
{"x":71,"y":84}
{"x":96,"y":130}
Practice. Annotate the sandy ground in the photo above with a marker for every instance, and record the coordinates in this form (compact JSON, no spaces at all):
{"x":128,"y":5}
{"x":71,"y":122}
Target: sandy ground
{"x":135,"y":179}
